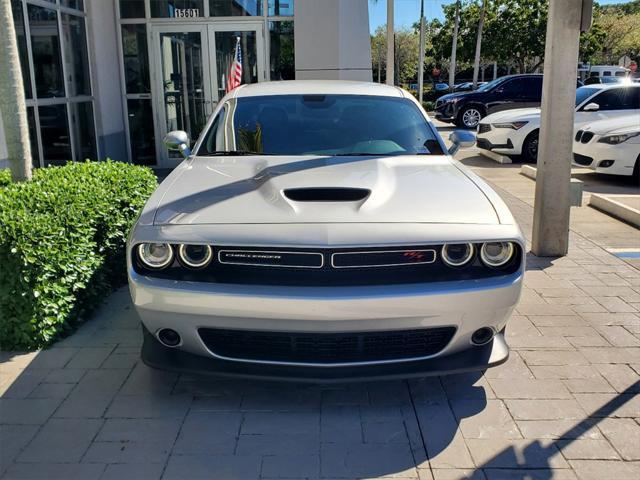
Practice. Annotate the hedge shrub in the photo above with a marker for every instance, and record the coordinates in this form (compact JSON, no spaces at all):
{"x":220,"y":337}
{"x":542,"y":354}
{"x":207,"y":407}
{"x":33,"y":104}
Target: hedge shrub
{"x":5,"y":177}
{"x":62,"y":245}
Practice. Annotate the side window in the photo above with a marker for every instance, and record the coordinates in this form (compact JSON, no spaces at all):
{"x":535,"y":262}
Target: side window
{"x":621,"y":74}
{"x":617,"y":99}
{"x":606,"y":74}
{"x":532,"y":87}
{"x":214,"y":140}
{"x":513,"y":87}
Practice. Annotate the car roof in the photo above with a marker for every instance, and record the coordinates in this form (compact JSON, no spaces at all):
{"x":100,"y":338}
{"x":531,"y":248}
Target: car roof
{"x":317,"y":87}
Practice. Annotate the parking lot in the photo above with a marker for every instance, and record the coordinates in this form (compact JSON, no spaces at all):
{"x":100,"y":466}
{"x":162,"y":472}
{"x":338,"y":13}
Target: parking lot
{"x":564,"y":406}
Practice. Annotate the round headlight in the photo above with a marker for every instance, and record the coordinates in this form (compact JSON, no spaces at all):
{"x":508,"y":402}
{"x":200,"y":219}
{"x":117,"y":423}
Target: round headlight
{"x":155,"y":255}
{"x":195,"y":256}
{"x":457,"y":254}
{"x":496,"y":254}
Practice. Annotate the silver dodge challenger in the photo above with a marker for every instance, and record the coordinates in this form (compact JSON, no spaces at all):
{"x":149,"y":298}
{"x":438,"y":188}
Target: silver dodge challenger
{"x":320,"y":230}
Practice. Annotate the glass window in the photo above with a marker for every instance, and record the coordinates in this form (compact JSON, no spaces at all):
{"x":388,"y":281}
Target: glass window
{"x":167,"y":8}
{"x":136,"y":60}
{"x":141,"y":136}
{"x":45,"y":47}
{"x":132,"y":9}
{"x":84,"y":138}
{"x":583,"y":93}
{"x":282,"y":8}
{"x":532,"y":86}
{"x":76,"y":55}
{"x":281,"y":58}
{"x":618,"y":99}
{"x":21,"y":37}
{"x":325,"y":125}
{"x":225,"y":50}
{"x":33,"y":135}
{"x":54,"y":129}
{"x":235,"y":8}
{"x":77,"y":4}
{"x":513,"y":86}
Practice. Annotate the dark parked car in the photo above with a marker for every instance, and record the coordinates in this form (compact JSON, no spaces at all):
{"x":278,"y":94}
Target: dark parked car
{"x":466,"y":109}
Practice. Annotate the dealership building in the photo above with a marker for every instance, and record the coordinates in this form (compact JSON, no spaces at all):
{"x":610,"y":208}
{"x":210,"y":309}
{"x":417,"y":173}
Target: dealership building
{"x":109,"y":78}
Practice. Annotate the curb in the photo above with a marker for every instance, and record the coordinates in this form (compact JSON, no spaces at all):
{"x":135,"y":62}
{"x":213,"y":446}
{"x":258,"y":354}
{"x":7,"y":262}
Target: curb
{"x":608,"y":205}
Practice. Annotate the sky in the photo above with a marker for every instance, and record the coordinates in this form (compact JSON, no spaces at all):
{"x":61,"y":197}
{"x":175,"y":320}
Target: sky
{"x":407,"y":12}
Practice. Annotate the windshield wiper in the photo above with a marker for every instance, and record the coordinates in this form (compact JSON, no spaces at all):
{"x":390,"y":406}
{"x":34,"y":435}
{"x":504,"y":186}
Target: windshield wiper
{"x":235,"y":153}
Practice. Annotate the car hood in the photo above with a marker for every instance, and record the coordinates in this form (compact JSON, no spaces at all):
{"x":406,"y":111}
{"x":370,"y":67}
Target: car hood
{"x":258,"y":190}
{"x":517,"y":114}
{"x":450,"y":96}
{"x":626,"y":124}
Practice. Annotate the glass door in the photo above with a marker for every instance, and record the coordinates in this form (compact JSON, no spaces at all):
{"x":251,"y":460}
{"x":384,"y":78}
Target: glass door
{"x":183,"y":85}
{"x":223,"y":39}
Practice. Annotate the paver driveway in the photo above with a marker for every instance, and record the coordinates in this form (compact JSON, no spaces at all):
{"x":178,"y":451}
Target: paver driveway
{"x":565,"y":406}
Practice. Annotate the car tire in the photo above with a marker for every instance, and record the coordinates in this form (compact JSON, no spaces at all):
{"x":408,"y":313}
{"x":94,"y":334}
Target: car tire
{"x":530,"y":147}
{"x":469,"y":117}
{"x":635,"y":176}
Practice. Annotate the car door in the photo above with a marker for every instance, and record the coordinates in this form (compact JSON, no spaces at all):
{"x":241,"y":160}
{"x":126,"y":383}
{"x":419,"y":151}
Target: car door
{"x":612,"y":102}
{"x":531,"y":93}
{"x":507,"y":96}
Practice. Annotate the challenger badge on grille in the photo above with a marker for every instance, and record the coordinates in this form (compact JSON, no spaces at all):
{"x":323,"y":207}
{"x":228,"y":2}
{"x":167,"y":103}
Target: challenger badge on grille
{"x":266,"y":258}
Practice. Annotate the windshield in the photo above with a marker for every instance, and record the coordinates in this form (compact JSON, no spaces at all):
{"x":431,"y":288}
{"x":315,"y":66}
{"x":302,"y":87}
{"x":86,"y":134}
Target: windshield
{"x":583,"y":93}
{"x":320,"y":125}
{"x":491,"y":84}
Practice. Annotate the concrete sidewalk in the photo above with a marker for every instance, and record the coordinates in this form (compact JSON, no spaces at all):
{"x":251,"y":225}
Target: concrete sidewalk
{"x":565,"y":406}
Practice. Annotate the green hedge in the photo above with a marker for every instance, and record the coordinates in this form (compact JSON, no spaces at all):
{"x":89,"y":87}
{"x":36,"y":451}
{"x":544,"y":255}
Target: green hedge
{"x":62,"y":245}
{"x":5,"y":177}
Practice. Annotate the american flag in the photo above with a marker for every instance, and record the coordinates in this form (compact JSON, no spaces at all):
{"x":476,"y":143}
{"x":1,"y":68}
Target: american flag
{"x":234,"y":78}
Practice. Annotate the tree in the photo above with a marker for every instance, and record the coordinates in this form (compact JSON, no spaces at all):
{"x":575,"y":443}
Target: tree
{"x":12,"y":102}
{"x":476,"y":62}
{"x":406,"y":53}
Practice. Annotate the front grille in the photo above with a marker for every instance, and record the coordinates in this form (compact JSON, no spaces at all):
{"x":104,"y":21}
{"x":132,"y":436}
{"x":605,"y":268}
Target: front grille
{"x":326,"y":348}
{"x":579,"y":135}
{"x":582,"y":159}
{"x":586,"y":137}
{"x":484,"y":128}
{"x":328,"y":267}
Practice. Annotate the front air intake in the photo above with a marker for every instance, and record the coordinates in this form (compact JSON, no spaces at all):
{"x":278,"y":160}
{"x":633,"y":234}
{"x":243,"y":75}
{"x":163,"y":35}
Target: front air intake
{"x":326,"y":194}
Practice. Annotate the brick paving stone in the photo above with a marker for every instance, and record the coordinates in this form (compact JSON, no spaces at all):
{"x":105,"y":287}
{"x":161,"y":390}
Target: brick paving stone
{"x":160,"y":431}
{"x":149,"y":406}
{"x":22,"y":386}
{"x":458,"y":474}
{"x":207,"y":467}
{"x":588,"y":385}
{"x":281,"y":423}
{"x":367,"y":461}
{"x":492,"y":421}
{"x":54,"y":471}
{"x":554,"y":358}
{"x":89,"y":357}
{"x":624,"y":435}
{"x":545,"y":409}
{"x":61,"y":441}
{"x":529,"y":389}
{"x":564,"y":371}
{"x":584,"y":449}
{"x":29,"y":411}
{"x":52,"y":358}
{"x":515,"y":454}
{"x":208,"y":433}
{"x":65,"y":375}
{"x":618,"y":336}
{"x":51,"y":390}
{"x":529,"y":474}
{"x":13,"y":438}
{"x":279,"y":444}
{"x":133,"y":471}
{"x":126,"y":452}
{"x":610,"y":404}
{"x":560,"y":428}
{"x":621,"y":377}
{"x":291,"y":466}
{"x":601,"y":469}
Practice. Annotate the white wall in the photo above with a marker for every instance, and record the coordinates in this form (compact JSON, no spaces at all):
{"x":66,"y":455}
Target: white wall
{"x":332,"y":40}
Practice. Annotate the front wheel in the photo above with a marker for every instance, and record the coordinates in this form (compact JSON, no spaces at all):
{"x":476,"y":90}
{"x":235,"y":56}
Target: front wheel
{"x":469,"y":117}
{"x":530,"y":147}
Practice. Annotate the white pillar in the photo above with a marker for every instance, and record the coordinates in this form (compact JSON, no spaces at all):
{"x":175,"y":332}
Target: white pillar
{"x":332,"y":40}
{"x":552,"y":201}
{"x":390,"y":44}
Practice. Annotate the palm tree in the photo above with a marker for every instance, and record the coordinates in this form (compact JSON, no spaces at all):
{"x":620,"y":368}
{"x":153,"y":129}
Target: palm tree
{"x":12,"y":103}
{"x":476,"y":65}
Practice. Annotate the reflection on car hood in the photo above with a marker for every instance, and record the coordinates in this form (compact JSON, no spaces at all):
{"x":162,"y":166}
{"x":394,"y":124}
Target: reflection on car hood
{"x":250,"y":190}
{"x":626,"y":124}
{"x":517,"y":114}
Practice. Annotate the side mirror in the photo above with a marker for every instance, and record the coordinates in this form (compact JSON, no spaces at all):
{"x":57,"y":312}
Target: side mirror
{"x":461,"y":139}
{"x":591,"y":107}
{"x":177,"y":141}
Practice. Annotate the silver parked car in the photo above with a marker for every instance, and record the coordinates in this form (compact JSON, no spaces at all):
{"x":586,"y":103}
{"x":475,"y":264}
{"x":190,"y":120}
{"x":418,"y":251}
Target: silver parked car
{"x":321,"y":230}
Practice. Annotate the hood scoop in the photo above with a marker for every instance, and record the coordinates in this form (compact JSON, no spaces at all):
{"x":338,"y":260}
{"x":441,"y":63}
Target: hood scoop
{"x":326,"y":194}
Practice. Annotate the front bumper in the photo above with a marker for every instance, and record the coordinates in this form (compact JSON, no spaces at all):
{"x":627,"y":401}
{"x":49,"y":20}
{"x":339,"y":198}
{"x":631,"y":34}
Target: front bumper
{"x":497,"y":140}
{"x":471,"y":359}
{"x":446,"y":112}
{"x":592,"y":155}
